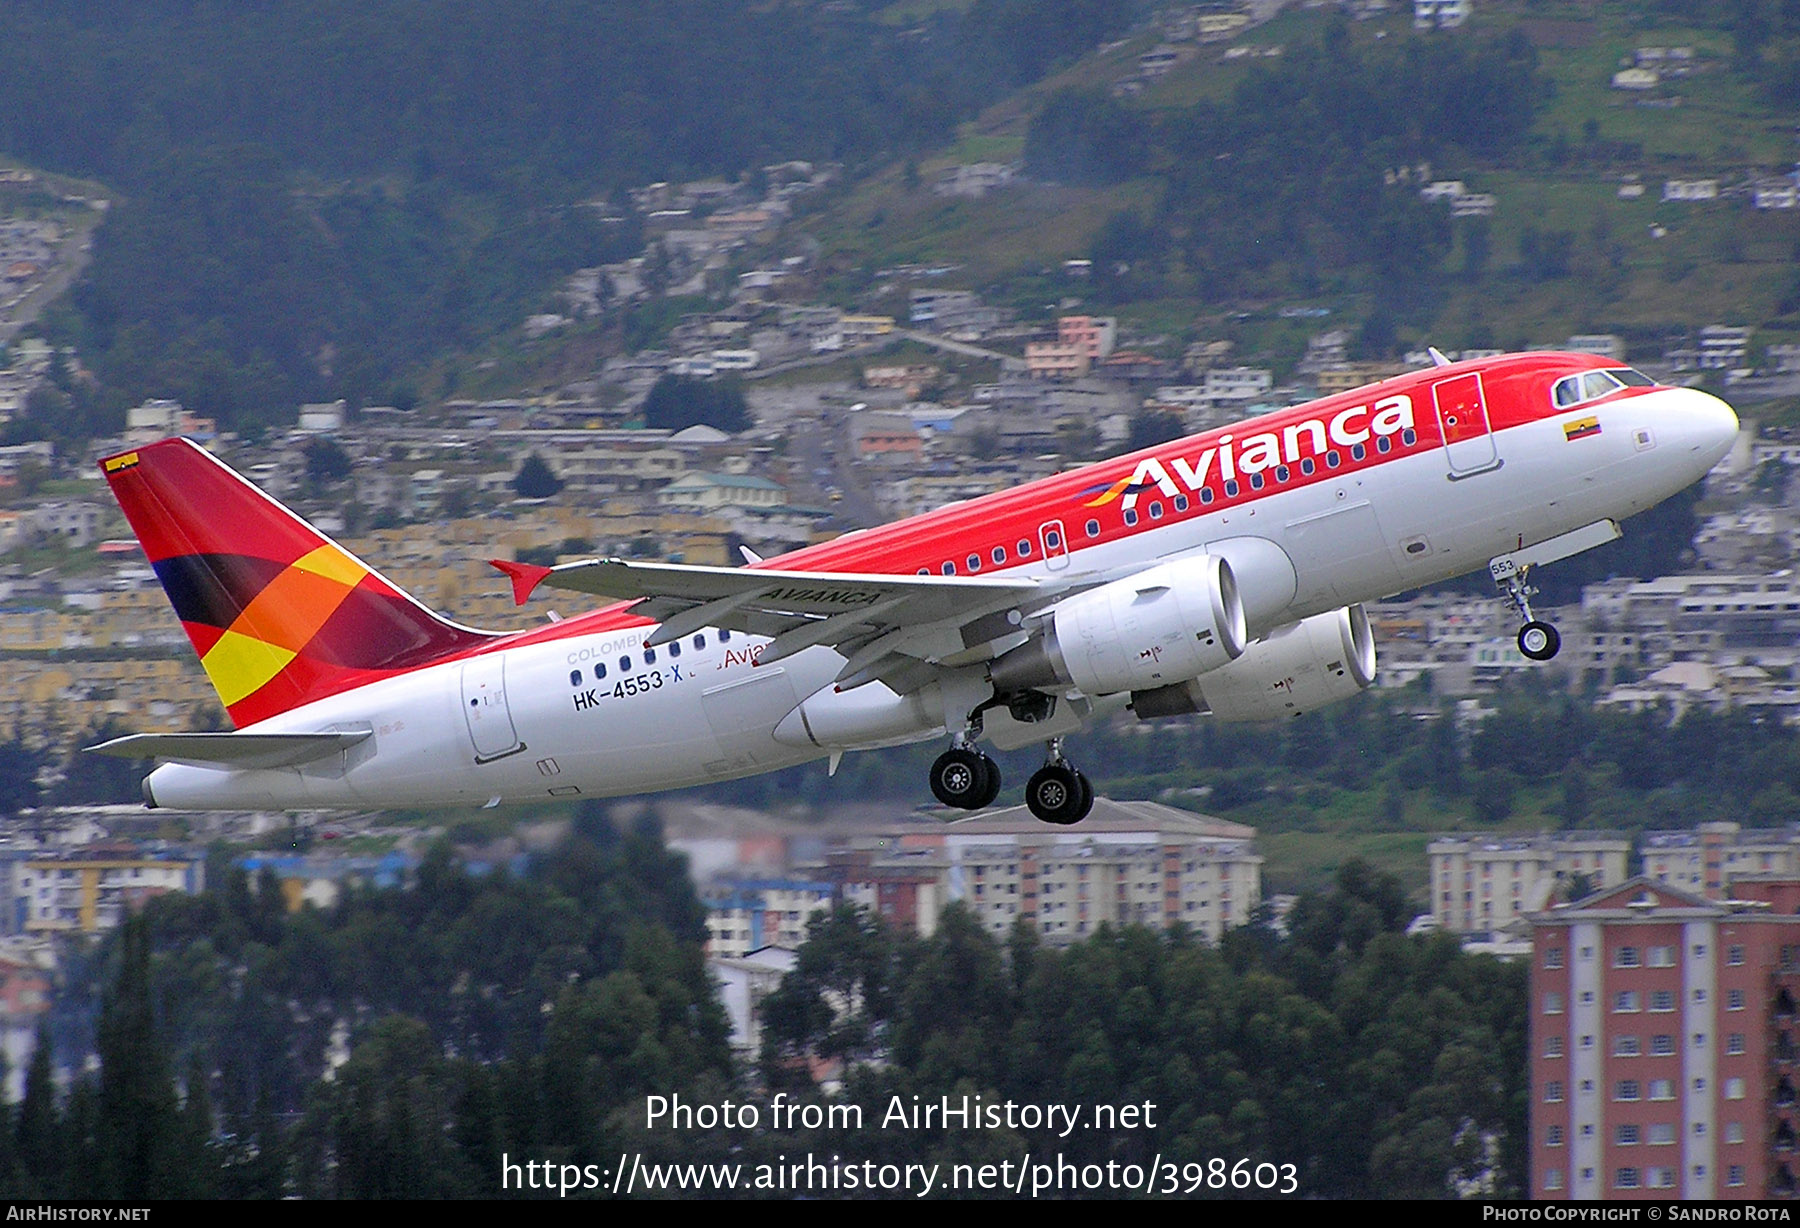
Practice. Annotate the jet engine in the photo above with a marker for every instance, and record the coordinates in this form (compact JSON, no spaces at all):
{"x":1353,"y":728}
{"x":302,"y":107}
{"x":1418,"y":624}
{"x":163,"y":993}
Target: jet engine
{"x":1167,"y":623}
{"x":1298,"y":668}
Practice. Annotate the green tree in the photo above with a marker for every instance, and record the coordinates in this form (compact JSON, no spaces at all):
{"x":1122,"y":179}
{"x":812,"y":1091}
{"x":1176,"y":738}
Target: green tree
{"x":679,"y":401}
{"x":138,"y":1134}
{"x":103,"y":780}
{"x":40,"y":1143}
{"x":535,"y":479}
{"x":18,"y":778}
{"x":839,"y":996}
{"x":326,"y":462}
{"x":385,"y":1119}
{"x":1149,"y":429}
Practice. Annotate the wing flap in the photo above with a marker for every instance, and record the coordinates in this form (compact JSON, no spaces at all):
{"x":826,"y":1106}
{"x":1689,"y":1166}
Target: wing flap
{"x":927,"y":598}
{"x":921,"y":618}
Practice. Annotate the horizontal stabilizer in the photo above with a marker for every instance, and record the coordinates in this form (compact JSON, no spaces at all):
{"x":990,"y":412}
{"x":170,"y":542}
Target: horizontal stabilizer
{"x":524,"y":576}
{"x":232,"y":750}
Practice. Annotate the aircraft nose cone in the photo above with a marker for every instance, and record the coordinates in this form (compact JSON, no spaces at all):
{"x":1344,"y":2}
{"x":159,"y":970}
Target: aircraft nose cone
{"x":1705,"y":426}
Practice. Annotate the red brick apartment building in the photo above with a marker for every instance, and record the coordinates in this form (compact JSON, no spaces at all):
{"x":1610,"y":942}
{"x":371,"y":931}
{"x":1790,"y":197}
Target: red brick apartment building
{"x":1665,"y":1043}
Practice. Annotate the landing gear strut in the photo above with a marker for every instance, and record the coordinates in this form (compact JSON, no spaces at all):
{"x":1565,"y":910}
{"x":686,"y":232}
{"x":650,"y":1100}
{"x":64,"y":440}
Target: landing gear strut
{"x":1538,"y":639}
{"x":1056,"y":792}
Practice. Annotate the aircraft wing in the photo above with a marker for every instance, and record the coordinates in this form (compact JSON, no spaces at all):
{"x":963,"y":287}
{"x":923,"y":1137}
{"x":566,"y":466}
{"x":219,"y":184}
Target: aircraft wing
{"x":880,"y":622}
{"x":232,"y":750}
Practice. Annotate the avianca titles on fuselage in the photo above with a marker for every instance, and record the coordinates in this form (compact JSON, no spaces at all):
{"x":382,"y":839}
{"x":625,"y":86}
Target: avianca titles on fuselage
{"x":1220,"y":573}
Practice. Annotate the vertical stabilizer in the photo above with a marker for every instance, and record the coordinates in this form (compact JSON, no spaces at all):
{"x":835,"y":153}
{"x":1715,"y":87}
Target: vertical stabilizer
{"x":279,"y":613}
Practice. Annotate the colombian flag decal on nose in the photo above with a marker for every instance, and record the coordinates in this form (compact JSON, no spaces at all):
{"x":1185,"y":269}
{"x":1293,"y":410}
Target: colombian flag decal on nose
{"x":1581,"y":428}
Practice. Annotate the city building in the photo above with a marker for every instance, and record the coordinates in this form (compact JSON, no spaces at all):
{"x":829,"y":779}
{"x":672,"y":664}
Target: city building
{"x":1237,"y":384}
{"x":1482,"y":885}
{"x":708,"y":491}
{"x":1688,"y":617}
{"x":1607,"y":345}
{"x":89,"y":894}
{"x":1690,"y":189}
{"x":1663,"y":1055}
{"x":1097,"y":334}
{"x":1057,"y":359}
{"x":1707,"y":859}
{"x":1126,"y":863}
{"x":742,"y":984}
{"x":745,"y":915}
{"x":1441,"y":14}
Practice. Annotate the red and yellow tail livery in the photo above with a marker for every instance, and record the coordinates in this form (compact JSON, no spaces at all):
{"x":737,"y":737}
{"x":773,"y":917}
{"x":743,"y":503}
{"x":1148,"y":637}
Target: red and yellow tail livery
{"x":279,"y":614}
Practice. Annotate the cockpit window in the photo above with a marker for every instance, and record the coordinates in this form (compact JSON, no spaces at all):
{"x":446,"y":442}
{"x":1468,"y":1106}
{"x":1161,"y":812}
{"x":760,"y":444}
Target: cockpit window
{"x":1572,"y":390}
{"x":1596,"y":384}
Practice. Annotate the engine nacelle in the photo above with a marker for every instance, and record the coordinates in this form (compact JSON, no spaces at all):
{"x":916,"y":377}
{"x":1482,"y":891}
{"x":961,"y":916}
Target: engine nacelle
{"x":867,"y":716}
{"x":1299,"y":668}
{"x":1169,"y":622}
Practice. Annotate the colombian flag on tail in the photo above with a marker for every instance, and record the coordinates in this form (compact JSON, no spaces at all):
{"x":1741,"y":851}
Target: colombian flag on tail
{"x":280,"y":614}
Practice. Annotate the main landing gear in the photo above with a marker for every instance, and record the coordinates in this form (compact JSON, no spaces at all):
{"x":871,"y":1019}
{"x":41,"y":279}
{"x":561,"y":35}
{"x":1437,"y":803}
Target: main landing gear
{"x":1056,"y":793}
{"x":1538,"y":640}
{"x":965,"y":778}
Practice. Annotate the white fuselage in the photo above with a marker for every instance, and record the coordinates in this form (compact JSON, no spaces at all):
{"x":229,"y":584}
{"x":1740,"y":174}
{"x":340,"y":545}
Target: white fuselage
{"x":539,"y":721}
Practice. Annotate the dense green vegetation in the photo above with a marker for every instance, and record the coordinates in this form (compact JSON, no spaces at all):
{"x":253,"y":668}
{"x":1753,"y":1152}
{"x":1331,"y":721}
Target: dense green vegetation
{"x":319,"y":197}
{"x":1379,"y":1066}
{"x":489,"y":1016}
{"x":1247,"y":209}
{"x":680,"y":401}
{"x":1236,"y":184}
{"x":522,"y":1011}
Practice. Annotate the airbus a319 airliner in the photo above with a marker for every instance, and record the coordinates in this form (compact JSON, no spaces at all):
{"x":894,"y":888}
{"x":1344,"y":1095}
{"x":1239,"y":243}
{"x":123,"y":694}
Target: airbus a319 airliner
{"x":1222,"y":574}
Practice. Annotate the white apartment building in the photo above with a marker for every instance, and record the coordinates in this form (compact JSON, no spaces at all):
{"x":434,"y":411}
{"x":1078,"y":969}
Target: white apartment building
{"x":1482,"y":885}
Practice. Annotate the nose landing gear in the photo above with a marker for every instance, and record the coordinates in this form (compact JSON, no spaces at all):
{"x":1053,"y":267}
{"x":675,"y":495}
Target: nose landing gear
{"x":1538,"y":640}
